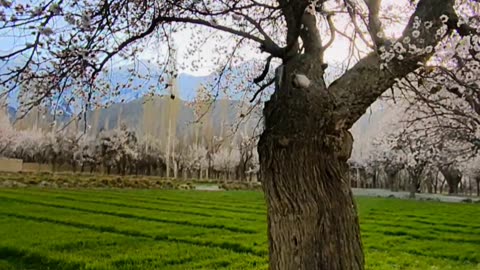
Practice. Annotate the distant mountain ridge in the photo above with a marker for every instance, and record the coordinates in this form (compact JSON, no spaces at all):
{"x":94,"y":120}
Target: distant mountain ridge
{"x":223,"y":114}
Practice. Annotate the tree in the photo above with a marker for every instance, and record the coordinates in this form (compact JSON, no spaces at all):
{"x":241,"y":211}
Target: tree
{"x":225,"y":161}
{"x":151,"y":159}
{"x":477,"y":180}
{"x":305,"y":145}
{"x":470,"y":168}
{"x":453,"y":177}
{"x":107,"y":149}
{"x":446,"y":92}
{"x":85,"y":154}
{"x":247,"y":155}
{"x":6,"y":132}
{"x":405,"y":143}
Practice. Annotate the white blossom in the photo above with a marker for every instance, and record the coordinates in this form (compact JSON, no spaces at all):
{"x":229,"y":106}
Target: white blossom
{"x":461,"y":21}
{"x":387,"y":56}
{"x":444,"y":18}
{"x":415,"y":34}
{"x":398,"y":48}
{"x":311,"y":8}
{"x":416,"y":25}
{"x":412,"y":49}
{"x":441,"y":31}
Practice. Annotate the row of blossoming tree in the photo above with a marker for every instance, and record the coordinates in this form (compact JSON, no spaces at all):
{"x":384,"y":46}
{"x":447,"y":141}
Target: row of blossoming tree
{"x":120,"y":150}
{"x":431,"y":119}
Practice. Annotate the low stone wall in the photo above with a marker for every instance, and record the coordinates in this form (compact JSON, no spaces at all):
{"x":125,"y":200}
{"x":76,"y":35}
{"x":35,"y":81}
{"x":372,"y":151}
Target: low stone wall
{"x":17,"y":165}
{"x":36,"y":167}
{"x":11,"y":165}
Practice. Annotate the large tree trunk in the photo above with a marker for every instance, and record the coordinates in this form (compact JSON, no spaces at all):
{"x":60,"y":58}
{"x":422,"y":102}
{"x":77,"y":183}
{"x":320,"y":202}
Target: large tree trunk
{"x":453,"y":177}
{"x":429,"y":182}
{"x":374,"y":178}
{"x":391,"y":181}
{"x":415,"y":180}
{"x":392,"y":171}
{"x":413,"y":188}
{"x":478,"y":186}
{"x":312,"y":217}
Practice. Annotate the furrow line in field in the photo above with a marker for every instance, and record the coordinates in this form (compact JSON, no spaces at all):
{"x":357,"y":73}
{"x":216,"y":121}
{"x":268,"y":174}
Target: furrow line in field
{"x":230,"y":201}
{"x":409,"y":227}
{"x":234,"y":247}
{"x":121,"y":263}
{"x":127,"y":215}
{"x":156,"y":200}
{"x":165,"y":194}
{"x":424,"y":237}
{"x":245,"y":208}
{"x":74,"y":199}
{"x":158,"y":209}
{"x":203,"y":206}
{"x":453,"y":258}
{"x":36,"y":260}
{"x":419,"y":219}
{"x":42,"y":261}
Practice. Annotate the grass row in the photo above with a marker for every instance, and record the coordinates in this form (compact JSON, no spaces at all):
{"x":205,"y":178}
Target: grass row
{"x":160,"y":203}
{"x":135,"y":213}
{"x":66,"y":247}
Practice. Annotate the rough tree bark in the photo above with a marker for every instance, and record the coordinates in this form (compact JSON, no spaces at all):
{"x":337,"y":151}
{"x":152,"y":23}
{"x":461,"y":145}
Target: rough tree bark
{"x":312,"y":218}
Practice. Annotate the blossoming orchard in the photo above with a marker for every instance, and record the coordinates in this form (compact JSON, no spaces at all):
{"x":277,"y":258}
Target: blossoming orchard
{"x":318,"y":70}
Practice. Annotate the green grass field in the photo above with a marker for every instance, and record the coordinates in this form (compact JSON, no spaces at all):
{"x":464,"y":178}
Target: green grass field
{"x":127,"y":229}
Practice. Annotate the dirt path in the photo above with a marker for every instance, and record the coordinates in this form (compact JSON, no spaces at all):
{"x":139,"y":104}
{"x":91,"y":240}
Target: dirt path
{"x":404,"y":195}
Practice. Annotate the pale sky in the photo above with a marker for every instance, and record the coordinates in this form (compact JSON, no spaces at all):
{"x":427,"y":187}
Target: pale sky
{"x":336,"y":53}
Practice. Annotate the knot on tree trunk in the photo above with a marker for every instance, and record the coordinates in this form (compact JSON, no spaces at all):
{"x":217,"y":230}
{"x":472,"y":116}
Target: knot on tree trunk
{"x":343,"y":144}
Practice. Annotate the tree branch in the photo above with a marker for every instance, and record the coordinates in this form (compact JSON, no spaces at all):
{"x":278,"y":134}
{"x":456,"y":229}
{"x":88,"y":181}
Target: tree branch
{"x":264,"y":73}
{"x":263,"y":87}
{"x":331,"y":25}
{"x":374,"y":24}
{"x":267,"y":45}
{"x":360,"y":86}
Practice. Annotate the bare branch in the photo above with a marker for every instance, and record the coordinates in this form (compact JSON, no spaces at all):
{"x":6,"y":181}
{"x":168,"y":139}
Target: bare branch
{"x":263,"y":87}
